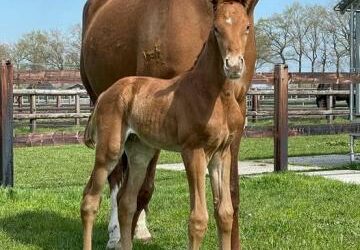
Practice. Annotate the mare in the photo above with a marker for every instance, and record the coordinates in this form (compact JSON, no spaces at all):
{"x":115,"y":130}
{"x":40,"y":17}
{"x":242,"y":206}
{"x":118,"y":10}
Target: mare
{"x":150,"y":38}
{"x":141,"y":115}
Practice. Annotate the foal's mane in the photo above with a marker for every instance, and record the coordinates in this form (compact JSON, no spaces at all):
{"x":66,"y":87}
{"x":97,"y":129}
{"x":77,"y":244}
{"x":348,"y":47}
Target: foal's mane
{"x":201,"y":51}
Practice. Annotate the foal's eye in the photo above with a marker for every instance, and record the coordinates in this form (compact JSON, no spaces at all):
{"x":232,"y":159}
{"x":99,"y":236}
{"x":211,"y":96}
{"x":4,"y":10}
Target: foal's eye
{"x":248,"y":28}
{"x":216,"y":30}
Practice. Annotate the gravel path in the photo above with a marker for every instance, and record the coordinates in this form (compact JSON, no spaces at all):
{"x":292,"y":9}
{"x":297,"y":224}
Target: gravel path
{"x":308,"y":165}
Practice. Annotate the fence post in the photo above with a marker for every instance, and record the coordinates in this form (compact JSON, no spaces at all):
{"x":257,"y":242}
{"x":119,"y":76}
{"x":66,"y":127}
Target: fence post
{"x":329,"y":106}
{"x":32,"y":111}
{"x":6,"y":130}
{"x":281,"y":117}
{"x":58,"y":101}
{"x":255,"y":106}
{"x":77,"y":108}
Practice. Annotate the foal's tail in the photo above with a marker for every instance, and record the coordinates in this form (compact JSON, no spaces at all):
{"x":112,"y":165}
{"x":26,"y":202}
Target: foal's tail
{"x":90,"y":130}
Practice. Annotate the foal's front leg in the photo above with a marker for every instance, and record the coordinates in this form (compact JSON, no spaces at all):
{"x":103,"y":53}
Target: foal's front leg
{"x":195,"y":165}
{"x":219,"y":170}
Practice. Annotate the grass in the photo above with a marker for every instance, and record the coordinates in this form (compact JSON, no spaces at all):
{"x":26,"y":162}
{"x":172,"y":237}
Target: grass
{"x":21,"y":129}
{"x":278,"y":211}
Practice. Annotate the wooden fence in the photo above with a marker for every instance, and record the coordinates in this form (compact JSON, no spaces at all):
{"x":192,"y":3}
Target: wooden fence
{"x":36,"y":104}
{"x":31,"y":107}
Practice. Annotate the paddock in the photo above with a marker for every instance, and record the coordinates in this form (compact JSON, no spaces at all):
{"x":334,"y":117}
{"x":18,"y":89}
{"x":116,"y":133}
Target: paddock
{"x":43,"y":185}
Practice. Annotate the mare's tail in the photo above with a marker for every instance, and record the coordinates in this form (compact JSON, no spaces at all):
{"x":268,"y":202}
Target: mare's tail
{"x":90,"y":130}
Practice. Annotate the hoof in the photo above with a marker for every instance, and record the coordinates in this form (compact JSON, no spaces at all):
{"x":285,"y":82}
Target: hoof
{"x":142,"y":234}
{"x":112,"y":244}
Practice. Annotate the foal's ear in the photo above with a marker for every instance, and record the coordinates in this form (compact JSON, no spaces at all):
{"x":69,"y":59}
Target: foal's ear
{"x":249,"y":5}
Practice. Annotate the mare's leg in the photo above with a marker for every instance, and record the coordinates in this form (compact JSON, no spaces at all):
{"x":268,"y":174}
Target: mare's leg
{"x":139,"y":223}
{"x":139,"y":226}
{"x":219,"y":170}
{"x":195,"y":165}
{"x":109,"y":148}
{"x":139,"y":157}
{"x":141,"y":231}
{"x":115,"y":181}
{"x":234,"y":182}
{"x":234,"y":188}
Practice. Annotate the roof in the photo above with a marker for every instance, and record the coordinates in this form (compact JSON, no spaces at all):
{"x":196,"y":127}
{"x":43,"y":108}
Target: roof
{"x":345,"y":5}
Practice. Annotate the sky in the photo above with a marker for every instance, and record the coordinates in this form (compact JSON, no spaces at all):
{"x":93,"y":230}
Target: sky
{"x":22,"y":16}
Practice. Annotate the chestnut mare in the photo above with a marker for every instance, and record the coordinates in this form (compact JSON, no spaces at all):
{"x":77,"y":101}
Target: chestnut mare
{"x":196,"y":113}
{"x":123,"y":38}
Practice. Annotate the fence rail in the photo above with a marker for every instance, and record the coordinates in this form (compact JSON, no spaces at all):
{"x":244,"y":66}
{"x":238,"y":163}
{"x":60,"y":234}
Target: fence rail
{"x":36,"y":104}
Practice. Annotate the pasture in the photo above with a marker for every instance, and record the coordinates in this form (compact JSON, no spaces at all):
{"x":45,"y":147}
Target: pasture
{"x":278,"y":211}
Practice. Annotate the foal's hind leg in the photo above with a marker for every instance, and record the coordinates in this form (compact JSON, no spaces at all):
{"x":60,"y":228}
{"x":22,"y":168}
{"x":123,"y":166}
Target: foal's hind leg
{"x":139,"y":156}
{"x":108,"y":150}
{"x":219,"y":170}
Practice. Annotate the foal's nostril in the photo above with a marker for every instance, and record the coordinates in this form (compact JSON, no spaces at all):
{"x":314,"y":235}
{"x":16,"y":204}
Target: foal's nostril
{"x":241,"y":60}
{"x":227,"y":62}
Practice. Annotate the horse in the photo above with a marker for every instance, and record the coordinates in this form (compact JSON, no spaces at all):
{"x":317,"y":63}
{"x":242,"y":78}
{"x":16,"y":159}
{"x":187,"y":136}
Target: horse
{"x":149,"y":38}
{"x":141,"y":115}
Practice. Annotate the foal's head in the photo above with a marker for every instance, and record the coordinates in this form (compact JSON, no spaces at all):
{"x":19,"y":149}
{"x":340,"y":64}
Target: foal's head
{"x":232,"y":28}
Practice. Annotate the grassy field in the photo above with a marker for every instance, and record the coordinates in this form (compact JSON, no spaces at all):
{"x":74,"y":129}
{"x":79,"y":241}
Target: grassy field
{"x":278,"y":211}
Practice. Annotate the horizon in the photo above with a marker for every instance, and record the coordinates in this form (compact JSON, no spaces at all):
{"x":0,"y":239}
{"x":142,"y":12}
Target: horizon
{"x":57,"y":14}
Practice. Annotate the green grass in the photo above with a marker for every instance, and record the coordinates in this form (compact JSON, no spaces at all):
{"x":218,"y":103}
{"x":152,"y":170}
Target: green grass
{"x":285,"y":211}
{"x":21,"y":129}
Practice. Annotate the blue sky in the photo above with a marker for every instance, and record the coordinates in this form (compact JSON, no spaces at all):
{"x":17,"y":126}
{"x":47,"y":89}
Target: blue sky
{"x":26,"y":15}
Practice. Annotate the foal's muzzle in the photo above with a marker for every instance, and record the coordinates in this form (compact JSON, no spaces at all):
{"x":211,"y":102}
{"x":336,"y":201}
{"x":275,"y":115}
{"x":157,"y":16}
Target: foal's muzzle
{"x":234,"y":66}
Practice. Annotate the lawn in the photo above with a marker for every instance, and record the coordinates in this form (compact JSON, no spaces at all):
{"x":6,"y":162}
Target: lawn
{"x":278,"y":211}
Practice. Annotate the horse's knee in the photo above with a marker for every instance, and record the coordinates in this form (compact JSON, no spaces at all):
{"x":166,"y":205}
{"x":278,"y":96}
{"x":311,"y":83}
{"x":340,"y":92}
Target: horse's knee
{"x":198,"y":224}
{"x":113,"y":151}
{"x":89,"y":207}
{"x":225,"y":215}
{"x":126,"y":207}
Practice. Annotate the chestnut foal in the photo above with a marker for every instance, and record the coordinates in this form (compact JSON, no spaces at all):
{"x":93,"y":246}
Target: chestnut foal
{"x":195,"y":113}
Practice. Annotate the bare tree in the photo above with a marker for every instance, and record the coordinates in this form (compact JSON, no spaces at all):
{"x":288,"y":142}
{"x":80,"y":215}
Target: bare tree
{"x":74,"y":47}
{"x":324,"y":50}
{"x":316,"y":14}
{"x":277,"y":30}
{"x":299,"y":27}
{"x":263,"y":47}
{"x":338,"y":28}
{"x":56,"y":49}
{"x":4,"y":51}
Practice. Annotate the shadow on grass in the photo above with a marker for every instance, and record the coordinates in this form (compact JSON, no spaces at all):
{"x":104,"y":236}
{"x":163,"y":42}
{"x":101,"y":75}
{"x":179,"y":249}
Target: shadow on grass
{"x":49,"y":230}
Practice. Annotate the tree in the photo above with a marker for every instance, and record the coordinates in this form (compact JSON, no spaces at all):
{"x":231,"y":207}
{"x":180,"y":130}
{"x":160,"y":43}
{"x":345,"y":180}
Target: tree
{"x":315,"y":15}
{"x":4,"y":51}
{"x":338,"y":28}
{"x":277,"y":31}
{"x":33,"y":48}
{"x":263,"y":47}
{"x":299,"y":27}
{"x":74,"y":47}
{"x":55,"y":49}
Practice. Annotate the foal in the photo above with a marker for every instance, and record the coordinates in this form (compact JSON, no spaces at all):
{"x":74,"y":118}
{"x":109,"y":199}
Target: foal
{"x":195,"y":113}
